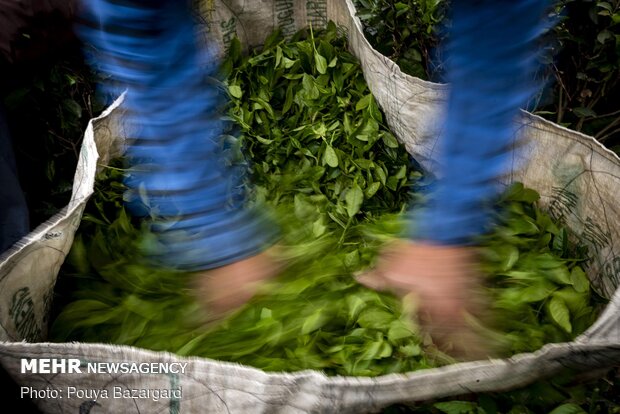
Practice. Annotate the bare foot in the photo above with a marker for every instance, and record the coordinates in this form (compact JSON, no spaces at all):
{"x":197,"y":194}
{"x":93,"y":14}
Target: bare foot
{"x":224,"y":289}
{"x":442,"y":281}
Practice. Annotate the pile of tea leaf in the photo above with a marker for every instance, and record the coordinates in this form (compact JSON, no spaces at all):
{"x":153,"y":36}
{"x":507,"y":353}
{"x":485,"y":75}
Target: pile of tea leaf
{"x":335,"y":178}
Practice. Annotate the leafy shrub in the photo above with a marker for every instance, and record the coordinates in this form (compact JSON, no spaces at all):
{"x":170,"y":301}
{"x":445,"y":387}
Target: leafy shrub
{"x":407,"y":32}
{"x":585,"y":70}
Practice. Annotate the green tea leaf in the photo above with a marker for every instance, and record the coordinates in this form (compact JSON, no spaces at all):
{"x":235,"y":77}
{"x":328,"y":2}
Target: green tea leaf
{"x":321,"y":63}
{"x":568,"y":408}
{"x":575,"y":301}
{"x":380,"y":174}
{"x":558,"y":275}
{"x":510,"y":259}
{"x":279,"y":55}
{"x":314,"y":322}
{"x":374,"y":318}
{"x":529,"y":196}
{"x":354,"y":305}
{"x":410,"y":350}
{"x":559,"y":313}
{"x":579,"y":280}
{"x":288,"y":63}
{"x":457,"y":407}
{"x":372,"y":189}
{"x":363,"y":103}
{"x":78,"y":255}
{"x":537,"y":292}
{"x":352,"y":259}
{"x":263,"y":140}
{"x":398,"y":330}
{"x":329,"y":157}
{"x":318,"y":227}
{"x":235,"y":91}
{"x":389,"y":140}
{"x":354,"y":199}
{"x":303,"y":208}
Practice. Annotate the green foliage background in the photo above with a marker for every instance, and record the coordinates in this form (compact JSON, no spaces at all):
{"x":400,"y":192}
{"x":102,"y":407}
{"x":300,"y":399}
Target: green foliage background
{"x":580,"y":56}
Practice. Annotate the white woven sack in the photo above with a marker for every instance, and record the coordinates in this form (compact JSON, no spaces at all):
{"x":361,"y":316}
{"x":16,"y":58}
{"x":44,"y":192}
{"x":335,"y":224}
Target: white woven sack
{"x":577,"y":178}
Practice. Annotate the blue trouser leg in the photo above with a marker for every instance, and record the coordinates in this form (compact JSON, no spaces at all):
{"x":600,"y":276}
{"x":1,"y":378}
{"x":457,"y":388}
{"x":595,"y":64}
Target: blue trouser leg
{"x":149,"y":47}
{"x":491,"y":57}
